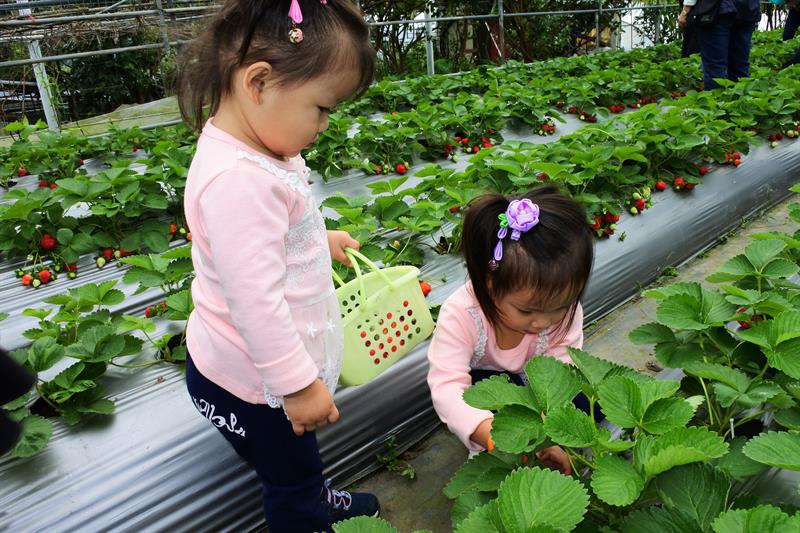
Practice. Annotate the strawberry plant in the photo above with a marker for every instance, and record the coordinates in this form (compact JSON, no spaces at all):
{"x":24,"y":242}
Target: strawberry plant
{"x":646,"y":467}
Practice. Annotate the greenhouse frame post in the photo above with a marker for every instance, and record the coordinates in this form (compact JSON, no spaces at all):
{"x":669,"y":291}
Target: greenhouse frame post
{"x":501,"y":39}
{"x":597,"y":24}
{"x":162,"y":25}
{"x":657,"y":29}
{"x":42,"y":81}
{"x":429,"y":43}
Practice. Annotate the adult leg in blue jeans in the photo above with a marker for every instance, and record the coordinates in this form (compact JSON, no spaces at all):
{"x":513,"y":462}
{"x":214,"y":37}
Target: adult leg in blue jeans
{"x":741,"y":37}
{"x":714,"y":41}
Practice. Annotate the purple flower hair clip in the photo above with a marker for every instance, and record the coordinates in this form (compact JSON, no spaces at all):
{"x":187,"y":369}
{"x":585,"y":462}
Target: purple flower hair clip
{"x":520,"y":216}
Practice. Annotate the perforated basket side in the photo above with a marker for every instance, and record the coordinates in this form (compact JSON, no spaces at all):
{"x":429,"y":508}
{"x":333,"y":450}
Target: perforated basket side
{"x":377,"y":336}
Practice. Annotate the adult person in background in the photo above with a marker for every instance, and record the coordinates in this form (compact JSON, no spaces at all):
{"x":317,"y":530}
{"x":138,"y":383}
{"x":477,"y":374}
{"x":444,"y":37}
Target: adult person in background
{"x":790,"y":28}
{"x":724,"y":32}
{"x":690,"y":45}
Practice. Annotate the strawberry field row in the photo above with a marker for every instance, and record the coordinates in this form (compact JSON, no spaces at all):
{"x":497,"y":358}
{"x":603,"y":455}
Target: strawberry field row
{"x":603,"y":165}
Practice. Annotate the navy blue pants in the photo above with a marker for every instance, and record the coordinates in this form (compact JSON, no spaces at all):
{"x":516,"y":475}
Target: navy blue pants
{"x":289,"y":467}
{"x":725,"y":49}
{"x":792,"y":23}
{"x":580,"y":401}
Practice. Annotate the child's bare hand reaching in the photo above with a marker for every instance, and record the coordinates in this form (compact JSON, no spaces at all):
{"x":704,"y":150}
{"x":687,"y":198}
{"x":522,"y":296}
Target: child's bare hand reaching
{"x":310,"y":408}
{"x":556,"y":459}
{"x":338,"y":241}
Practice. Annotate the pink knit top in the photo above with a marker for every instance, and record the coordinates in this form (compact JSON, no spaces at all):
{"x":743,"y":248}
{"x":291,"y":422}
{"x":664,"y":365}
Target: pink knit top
{"x":266,"y":321}
{"x":464,"y":340}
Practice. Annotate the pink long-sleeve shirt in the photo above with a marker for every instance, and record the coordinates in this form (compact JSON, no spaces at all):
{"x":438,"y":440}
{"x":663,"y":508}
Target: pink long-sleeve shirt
{"x":464,"y":340}
{"x":266,"y":321}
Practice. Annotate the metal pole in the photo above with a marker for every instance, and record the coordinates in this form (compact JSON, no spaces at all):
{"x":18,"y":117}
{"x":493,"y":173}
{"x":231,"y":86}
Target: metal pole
{"x":429,"y":43}
{"x":657,"y":30}
{"x":162,"y":26}
{"x":597,"y":24}
{"x":502,"y":29}
{"x":42,"y":81}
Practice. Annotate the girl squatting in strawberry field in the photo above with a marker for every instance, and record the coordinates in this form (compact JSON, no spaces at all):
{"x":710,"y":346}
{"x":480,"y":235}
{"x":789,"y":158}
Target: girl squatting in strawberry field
{"x":528,"y":259}
{"x":264,"y":338}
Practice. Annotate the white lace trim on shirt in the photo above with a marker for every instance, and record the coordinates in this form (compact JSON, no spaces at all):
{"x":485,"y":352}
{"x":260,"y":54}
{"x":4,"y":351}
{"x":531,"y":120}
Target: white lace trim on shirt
{"x":480,"y":345}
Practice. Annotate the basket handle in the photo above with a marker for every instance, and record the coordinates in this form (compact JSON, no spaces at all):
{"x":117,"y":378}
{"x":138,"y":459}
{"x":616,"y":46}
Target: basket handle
{"x":355,"y":254}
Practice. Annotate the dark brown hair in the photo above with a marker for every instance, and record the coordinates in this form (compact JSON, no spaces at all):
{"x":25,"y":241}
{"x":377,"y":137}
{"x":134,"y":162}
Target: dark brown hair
{"x":247,"y":31}
{"x":553,"y":259}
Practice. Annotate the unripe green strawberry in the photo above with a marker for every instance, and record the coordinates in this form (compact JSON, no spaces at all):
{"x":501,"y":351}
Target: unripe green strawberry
{"x":36,"y":283}
{"x":72,"y":275}
{"x":100,"y":261}
{"x":634,"y":211}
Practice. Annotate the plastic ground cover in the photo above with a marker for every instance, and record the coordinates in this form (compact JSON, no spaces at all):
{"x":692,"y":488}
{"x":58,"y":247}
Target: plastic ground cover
{"x":157,"y":465}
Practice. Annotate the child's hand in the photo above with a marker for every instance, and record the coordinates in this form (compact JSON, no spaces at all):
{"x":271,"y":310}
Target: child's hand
{"x":338,"y":241}
{"x":556,"y":459}
{"x":482,"y":433}
{"x":310,"y":408}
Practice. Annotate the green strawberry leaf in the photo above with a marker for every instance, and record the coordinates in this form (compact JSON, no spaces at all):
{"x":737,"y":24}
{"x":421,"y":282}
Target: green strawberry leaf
{"x":616,"y":481}
{"x":466,"y":502}
{"x":364,"y":524}
{"x":497,"y":392}
{"x":517,"y":429}
{"x":659,"y":519}
{"x":569,"y":426}
{"x":473,"y":475}
{"x":756,"y":520}
{"x":484,"y":519}
{"x":697,"y":490}
{"x":532,"y":498}
{"x":760,"y":253}
{"x":36,"y":432}
{"x":778,"y":449}
{"x":552,"y":382}
{"x":677,"y":447}
{"x":789,"y":418}
{"x":736,"y":464}
{"x":595,"y":369}
{"x":605,"y":442}
{"x":666,"y":414}
{"x":652,"y":333}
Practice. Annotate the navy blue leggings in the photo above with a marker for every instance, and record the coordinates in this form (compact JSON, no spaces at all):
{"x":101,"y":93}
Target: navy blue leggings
{"x":580,"y":401}
{"x":289,"y":467}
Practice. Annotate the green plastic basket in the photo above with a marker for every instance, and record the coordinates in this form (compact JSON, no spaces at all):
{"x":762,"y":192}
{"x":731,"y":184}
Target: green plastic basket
{"x":384,"y":315}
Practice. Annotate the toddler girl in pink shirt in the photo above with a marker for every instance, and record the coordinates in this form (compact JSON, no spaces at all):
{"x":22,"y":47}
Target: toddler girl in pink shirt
{"x":264,"y":339}
{"x":528,"y":259}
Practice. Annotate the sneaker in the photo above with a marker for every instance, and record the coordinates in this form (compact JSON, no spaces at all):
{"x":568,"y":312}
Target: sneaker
{"x":343,"y":505}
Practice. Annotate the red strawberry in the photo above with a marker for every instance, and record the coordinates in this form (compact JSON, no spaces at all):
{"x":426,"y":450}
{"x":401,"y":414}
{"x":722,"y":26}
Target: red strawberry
{"x":135,"y":148}
{"x":690,"y":186}
{"x":125,"y":253}
{"x":779,"y":136}
{"x":22,"y":172}
{"x":72,"y":267}
{"x":640,"y":204}
{"x":771,"y":138}
{"x":737,"y":162}
{"x":426,"y":288}
{"x":455,"y":209}
{"x":572,"y":109}
{"x":44,"y":276}
{"x":465,"y":141}
{"x":608,"y":232}
{"x":173,"y":229}
{"x":610,"y":218}
{"x":476,"y":149}
{"x":378,"y":169}
{"x":679,"y":182}
{"x":48,"y":242}
{"x":661,"y":185}
{"x":543,"y":176}
{"x":703,"y":170}
{"x":487,"y":145}
{"x":43,"y":184}
{"x":27,"y":279}
{"x":598,"y":221}
{"x":675,"y":94}
{"x":148,"y":312}
{"x":108,"y":254}
{"x":53,"y":185}
{"x":559,"y":104}
{"x":401,"y":168}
